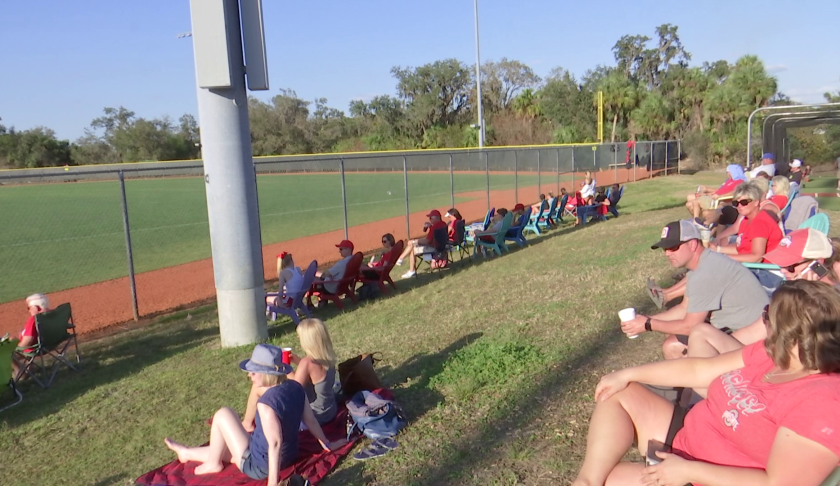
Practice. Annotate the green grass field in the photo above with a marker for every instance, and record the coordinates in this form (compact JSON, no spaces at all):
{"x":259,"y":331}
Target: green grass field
{"x":495,"y":365}
{"x":60,"y":236}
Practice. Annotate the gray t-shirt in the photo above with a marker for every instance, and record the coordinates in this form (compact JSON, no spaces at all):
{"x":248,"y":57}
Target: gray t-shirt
{"x":727,"y":289}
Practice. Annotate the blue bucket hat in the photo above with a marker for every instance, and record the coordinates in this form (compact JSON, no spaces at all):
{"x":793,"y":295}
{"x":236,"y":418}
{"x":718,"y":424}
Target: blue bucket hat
{"x":266,"y":359}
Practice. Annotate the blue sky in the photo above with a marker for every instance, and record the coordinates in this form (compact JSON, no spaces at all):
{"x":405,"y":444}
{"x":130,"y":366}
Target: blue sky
{"x":63,"y":61}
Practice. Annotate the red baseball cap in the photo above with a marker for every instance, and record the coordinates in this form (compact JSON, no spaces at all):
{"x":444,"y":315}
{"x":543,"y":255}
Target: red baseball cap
{"x":519,"y":207}
{"x":433,"y":212}
{"x":345,"y":244}
{"x":802,"y":244}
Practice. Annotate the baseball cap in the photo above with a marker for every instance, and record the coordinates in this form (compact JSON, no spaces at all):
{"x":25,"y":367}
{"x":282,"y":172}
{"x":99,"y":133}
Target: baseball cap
{"x":519,"y":207}
{"x":433,"y":212}
{"x":768,"y":155}
{"x":676,"y":233}
{"x":345,"y":244}
{"x":802,"y":244}
{"x":796,"y":163}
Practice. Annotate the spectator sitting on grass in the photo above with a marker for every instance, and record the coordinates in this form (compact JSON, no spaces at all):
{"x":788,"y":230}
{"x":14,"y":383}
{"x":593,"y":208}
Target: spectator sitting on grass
{"x":769,"y":417}
{"x":316,"y":370}
{"x":703,"y":199}
{"x":273,"y":443}
{"x":717,"y":288}
{"x":336,"y":272}
{"x":758,"y":232}
{"x":35,"y":304}
{"x":804,"y":254}
{"x":423,"y":245}
{"x":289,"y":281}
{"x":380,"y":258}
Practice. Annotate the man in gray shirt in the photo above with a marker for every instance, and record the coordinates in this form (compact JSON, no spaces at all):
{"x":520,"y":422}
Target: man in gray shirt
{"x":719,"y":290}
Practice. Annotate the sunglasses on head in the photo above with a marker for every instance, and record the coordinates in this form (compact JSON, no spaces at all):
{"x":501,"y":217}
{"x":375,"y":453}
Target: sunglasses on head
{"x":742,"y":202}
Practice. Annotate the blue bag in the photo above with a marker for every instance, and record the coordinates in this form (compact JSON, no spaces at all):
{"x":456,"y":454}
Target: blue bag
{"x":374,"y":416}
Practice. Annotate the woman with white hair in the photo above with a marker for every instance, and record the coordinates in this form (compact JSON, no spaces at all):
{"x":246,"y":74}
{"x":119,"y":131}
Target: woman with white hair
{"x":35,"y":304}
{"x":758,"y":232}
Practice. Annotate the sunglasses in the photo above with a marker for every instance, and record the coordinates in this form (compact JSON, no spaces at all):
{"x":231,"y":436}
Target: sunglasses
{"x":742,"y":202}
{"x":792,"y":268}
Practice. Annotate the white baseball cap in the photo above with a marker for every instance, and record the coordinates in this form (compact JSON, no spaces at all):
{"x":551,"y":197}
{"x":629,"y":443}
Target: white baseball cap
{"x":796,"y":163}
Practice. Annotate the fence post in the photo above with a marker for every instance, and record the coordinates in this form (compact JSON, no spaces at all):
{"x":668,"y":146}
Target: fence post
{"x":128,"y":250}
{"x":573,"y":170}
{"x":666,"y":157}
{"x":516,"y":175}
{"x":635,"y":161}
{"x":558,"y":173}
{"x":405,"y":186}
{"x":343,"y":196}
{"x":615,"y":163}
{"x":451,"y":183}
{"x":679,"y":157}
{"x":539,"y":175}
{"x":487,"y":176}
{"x":257,"y":190}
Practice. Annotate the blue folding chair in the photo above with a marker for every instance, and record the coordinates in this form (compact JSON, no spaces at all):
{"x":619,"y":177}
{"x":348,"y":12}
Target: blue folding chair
{"x":534,"y":221}
{"x":515,"y":232}
{"x":546,"y":221}
{"x":498,"y":243}
{"x":297,"y":298}
{"x":613,"y":207}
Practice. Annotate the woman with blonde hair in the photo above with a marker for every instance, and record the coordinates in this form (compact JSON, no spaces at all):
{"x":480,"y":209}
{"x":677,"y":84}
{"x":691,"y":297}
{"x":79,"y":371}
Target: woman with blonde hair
{"x":289,"y":281}
{"x":769,"y":417}
{"x":316,"y":370}
{"x":780,"y":186}
{"x":272,"y":444}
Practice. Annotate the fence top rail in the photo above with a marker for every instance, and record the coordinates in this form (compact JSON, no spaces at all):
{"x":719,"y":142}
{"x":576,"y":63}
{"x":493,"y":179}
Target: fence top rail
{"x":326,"y":157}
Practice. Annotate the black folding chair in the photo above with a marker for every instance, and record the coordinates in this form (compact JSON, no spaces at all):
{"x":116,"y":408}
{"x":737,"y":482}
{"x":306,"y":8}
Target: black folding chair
{"x":56,"y":332}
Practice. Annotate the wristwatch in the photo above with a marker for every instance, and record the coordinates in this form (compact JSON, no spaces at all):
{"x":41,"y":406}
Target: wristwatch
{"x":647,"y":325}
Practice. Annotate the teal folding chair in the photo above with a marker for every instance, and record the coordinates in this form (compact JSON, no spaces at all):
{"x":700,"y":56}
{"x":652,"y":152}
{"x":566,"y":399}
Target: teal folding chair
{"x":498,"y":243}
{"x":819,"y":222}
{"x":7,"y":349}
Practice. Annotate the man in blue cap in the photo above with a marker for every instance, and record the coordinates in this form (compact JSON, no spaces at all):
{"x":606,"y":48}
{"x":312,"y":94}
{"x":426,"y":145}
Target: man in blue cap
{"x":768,"y":166}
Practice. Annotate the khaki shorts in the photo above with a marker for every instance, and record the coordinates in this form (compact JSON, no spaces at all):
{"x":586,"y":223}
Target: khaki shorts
{"x":420,"y":249}
{"x":706,"y":202}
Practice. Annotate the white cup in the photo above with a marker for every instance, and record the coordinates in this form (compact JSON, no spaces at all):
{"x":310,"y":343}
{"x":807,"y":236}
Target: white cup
{"x":705,"y":236}
{"x":628,"y":314}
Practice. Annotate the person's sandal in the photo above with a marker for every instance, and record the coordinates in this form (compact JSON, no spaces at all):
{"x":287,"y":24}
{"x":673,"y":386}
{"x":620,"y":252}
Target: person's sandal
{"x":654,"y":291}
{"x":370,"y":452}
{"x":293,"y":480}
{"x":386,"y":442}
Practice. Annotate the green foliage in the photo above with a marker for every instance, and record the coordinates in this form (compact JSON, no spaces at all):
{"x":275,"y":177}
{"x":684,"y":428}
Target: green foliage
{"x":486,"y":366}
{"x":697,"y":145}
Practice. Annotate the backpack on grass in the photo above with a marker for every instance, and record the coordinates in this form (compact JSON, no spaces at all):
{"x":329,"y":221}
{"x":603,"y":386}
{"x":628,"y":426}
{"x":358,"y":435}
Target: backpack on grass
{"x":374,"y":416}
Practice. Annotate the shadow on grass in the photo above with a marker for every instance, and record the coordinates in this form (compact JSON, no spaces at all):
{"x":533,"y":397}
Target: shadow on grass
{"x":471,"y":454}
{"x":103,"y":365}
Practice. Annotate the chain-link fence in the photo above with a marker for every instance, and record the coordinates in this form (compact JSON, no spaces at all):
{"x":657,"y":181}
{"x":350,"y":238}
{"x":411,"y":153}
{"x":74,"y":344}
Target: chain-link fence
{"x":129,"y":240}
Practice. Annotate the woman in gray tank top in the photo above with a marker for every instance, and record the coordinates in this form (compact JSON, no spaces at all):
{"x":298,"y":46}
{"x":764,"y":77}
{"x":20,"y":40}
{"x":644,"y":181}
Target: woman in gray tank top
{"x":316,"y":371}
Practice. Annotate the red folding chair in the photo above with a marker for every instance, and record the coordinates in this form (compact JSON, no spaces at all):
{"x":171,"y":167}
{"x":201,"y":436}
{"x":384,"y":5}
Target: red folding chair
{"x":346,"y":285}
{"x":384,"y":272}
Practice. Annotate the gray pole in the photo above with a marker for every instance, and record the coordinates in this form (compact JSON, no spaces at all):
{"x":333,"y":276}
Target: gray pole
{"x":615,"y":163}
{"x":574,"y":188}
{"x":478,"y":81}
{"x":232,"y":207}
{"x":451,"y":182}
{"x":539,"y":175}
{"x":679,"y":157}
{"x":516,"y":175}
{"x":343,"y":196}
{"x":634,"y":161}
{"x":128,"y":250}
{"x":558,"y":173}
{"x":405,"y":187}
{"x":487,"y":177}
{"x":666,"y":157}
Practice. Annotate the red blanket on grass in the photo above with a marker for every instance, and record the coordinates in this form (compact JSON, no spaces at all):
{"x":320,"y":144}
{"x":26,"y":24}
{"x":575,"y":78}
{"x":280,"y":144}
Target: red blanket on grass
{"x":313,"y":463}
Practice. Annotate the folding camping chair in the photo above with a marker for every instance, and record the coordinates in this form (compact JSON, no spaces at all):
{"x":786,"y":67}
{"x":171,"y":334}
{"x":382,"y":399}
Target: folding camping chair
{"x":7,"y":349}
{"x":297,"y":298}
{"x":459,"y":242}
{"x":56,"y":332}
{"x":439,"y":258}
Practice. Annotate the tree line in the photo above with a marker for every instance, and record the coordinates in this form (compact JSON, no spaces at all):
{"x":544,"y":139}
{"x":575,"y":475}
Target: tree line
{"x":651,"y":92}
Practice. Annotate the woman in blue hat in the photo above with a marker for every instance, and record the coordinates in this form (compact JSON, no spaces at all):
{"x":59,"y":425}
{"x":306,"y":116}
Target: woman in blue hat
{"x":273,"y":445}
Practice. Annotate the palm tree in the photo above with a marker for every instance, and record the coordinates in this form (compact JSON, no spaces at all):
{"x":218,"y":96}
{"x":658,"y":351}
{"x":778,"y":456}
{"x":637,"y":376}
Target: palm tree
{"x":620,"y":97}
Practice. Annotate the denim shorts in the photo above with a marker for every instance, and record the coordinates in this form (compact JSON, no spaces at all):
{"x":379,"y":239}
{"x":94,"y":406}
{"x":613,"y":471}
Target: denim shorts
{"x":249,"y":469}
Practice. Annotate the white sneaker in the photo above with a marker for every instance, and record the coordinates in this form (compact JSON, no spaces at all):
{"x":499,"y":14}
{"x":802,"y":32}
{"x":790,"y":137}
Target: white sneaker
{"x":409,"y":274}
{"x":399,"y":262}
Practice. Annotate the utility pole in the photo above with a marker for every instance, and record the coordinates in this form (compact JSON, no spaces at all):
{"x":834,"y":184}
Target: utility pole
{"x":478,"y":80}
{"x":232,"y":205}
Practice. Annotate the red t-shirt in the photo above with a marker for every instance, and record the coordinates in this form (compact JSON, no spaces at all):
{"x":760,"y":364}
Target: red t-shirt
{"x":779,"y":200}
{"x":737,"y":424}
{"x":762,"y":226}
{"x":382,"y":261}
{"x":430,"y":232}
{"x":728,"y":186}
{"x":29,"y":329}
{"x":452,"y":228}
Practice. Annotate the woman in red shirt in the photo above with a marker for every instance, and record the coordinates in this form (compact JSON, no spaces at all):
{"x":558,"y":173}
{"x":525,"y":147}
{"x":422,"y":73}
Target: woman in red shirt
{"x":454,"y":216}
{"x":769,"y":417}
{"x":758,"y":232}
{"x":35,"y":304}
{"x":780,"y":185}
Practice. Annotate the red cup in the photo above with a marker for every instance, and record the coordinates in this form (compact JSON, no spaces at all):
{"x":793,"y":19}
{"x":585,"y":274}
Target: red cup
{"x":287,"y":355}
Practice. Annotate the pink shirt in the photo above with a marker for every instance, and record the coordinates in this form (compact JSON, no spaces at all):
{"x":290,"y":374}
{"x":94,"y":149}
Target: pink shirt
{"x":736,"y":425}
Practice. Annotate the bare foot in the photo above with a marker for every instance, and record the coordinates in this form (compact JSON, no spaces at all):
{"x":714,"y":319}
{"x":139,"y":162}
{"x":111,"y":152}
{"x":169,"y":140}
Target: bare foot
{"x":208,"y":468}
{"x":179,"y":449}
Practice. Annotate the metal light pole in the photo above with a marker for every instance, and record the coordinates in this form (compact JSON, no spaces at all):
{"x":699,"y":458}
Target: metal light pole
{"x":478,"y":80}
{"x":219,"y":30}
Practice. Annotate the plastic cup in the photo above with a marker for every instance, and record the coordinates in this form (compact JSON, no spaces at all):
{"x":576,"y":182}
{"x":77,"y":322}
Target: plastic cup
{"x":705,"y":236}
{"x":628,"y":314}
{"x":286,"y":356}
